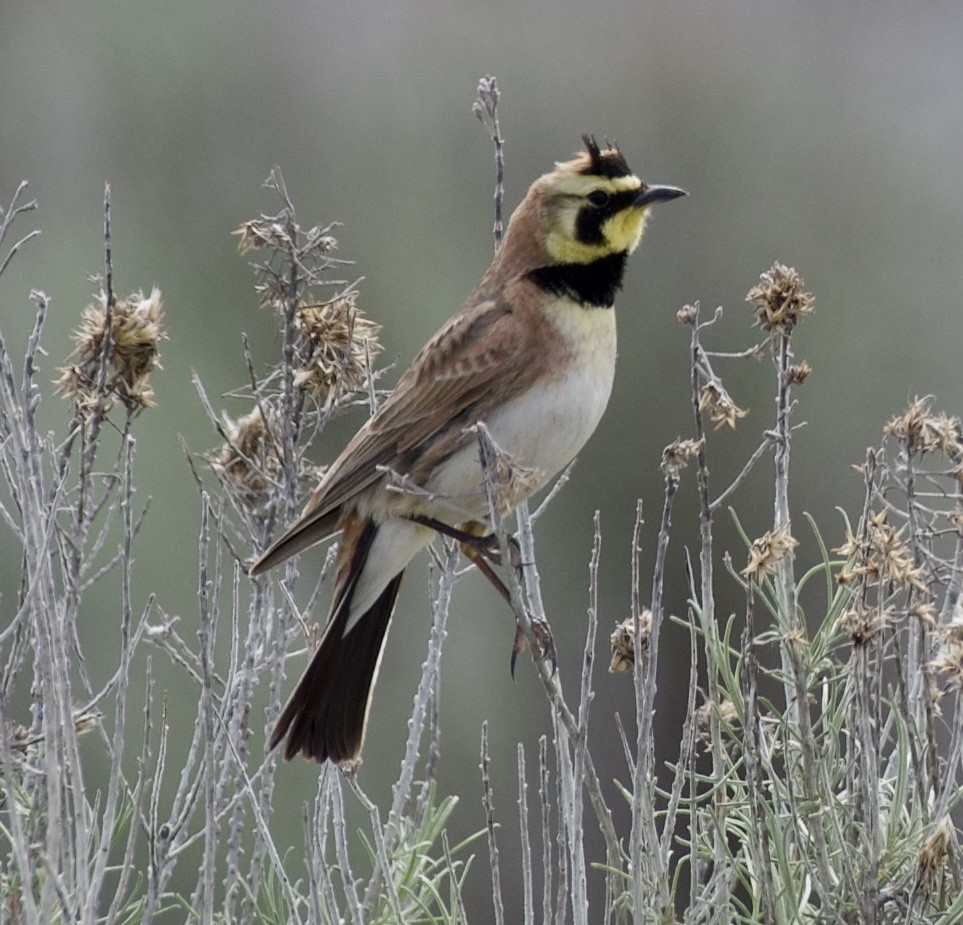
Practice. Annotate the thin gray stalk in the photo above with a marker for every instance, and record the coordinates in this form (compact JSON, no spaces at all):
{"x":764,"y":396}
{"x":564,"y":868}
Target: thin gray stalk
{"x":545,"y":813}
{"x":485,"y":109}
{"x":116,"y":788}
{"x":718,"y":891}
{"x":799,"y":719}
{"x":203,"y":898}
{"x":488,"y":802}
{"x":426,"y":695}
{"x":528,"y":894}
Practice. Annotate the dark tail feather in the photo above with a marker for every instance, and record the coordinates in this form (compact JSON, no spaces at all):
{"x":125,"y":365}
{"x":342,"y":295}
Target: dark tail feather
{"x":325,"y":716}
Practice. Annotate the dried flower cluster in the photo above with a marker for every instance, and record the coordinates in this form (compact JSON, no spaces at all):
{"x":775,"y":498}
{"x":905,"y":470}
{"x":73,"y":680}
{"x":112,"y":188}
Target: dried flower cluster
{"x":676,"y":456}
{"x":722,"y":409}
{"x":920,"y":430}
{"x":513,"y":481}
{"x":248,"y":464}
{"x":936,"y":857}
{"x":948,"y":661}
{"x":248,"y":461}
{"x":768,"y":551}
{"x":729,"y":720}
{"x":780,"y":300}
{"x":880,"y":555}
{"x":862,"y":621}
{"x":798,"y":373}
{"x":622,"y":641}
{"x":282,"y":237}
{"x":135,"y":332}
{"x":342,"y":342}
{"x":276,"y":233}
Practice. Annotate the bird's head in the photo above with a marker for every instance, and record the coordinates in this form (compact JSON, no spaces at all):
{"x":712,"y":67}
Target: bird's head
{"x":587,"y":208}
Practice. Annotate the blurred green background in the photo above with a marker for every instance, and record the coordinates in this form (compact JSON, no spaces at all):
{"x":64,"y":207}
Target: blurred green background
{"x":825,"y":135}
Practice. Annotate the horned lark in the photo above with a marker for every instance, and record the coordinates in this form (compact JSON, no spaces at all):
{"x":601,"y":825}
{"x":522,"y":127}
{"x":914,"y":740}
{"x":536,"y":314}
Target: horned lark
{"x":532,"y":355}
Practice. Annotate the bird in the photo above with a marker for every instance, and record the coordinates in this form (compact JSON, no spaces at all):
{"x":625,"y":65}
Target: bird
{"x":531,"y":355}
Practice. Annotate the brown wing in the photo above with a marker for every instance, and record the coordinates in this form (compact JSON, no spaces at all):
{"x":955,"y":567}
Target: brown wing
{"x":482,"y":354}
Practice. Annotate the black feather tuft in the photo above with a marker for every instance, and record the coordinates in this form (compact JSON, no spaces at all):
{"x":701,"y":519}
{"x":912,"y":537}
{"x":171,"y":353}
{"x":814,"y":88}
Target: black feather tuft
{"x":604,"y":162}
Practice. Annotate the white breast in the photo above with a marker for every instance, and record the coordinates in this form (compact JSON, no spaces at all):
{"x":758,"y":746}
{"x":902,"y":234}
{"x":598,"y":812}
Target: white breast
{"x":545,"y":427}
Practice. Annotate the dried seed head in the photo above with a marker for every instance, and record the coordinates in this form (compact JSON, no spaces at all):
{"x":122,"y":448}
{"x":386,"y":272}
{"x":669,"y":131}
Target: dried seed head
{"x":768,"y":551}
{"x":798,"y":373}
{"x":948,"y":661}
{"x":622,"y":641}
{"x":879,"y":554}
{"x":728,"y":715}
{"x":342,"y":343}
{"x":687,"y":315}
{"x":247,"y":464}
{"x":956,"y":520}
{"x":722,"y":409}
{"x":676,"y":456}
{"x":513,"y":481}
{"x":861,"y":623}
{"x":781,"y":303}
{"x":279,"y":233}
{"x":135,"y":332}
{"x":920,"y":430}
{"x":934,"y":856}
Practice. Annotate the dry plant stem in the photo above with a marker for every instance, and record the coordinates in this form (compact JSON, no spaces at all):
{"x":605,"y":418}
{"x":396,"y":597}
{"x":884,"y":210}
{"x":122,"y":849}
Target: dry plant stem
{"x":784,"y":579}
{"x":7,"y":219}
{"x":752,"y":747}
{"x":116,"y":786}
{"x":379,"y":843}
{"x":527,"y":589}
{"x":705,"y":596}
{"x":948,"y":787}
{"x":528,"y":898}
{"x":86,"y":508}
{"x":488,"y":801}
{"x":129,"y":871}
{"x":545,"y":813}
{"x":919,"y":651}
{"x":579,"y":884}
{"x":646,"y":850}
{"x":59,"y":788}
{"x":319,"y":881}
{"x":685,"y":769}
{"x":757,"y":454}
{"x":794,"y":635}
{"x":22,"y":859}
{"x":205,"y":885}
{"x":867,"y":668}
{"x":332,"y":784}
{"x":90,"y":430}
{"x":425,"y":696}
{"x":485,"y":108}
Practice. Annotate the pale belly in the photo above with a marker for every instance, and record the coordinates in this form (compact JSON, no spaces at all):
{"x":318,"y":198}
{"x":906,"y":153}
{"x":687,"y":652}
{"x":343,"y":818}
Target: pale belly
{"x":543,"y":429}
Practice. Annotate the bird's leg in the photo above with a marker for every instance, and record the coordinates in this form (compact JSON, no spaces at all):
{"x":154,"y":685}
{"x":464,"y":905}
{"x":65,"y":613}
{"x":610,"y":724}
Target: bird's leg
{"x":544,"y":647}
{"x":481,"y":561}
{"x":482,"y":551}
{"x":484,"y":545}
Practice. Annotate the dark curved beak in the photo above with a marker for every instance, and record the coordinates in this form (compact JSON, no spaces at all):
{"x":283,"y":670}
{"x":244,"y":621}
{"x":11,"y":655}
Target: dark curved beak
{"x":650,"y":194}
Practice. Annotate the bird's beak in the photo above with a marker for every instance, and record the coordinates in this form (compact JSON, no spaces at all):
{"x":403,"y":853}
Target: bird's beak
{"x":652,"y":194}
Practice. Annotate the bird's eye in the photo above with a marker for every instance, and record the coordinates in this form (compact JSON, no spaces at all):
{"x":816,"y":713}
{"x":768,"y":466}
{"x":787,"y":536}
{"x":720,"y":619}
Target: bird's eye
{"x":598,"y":198}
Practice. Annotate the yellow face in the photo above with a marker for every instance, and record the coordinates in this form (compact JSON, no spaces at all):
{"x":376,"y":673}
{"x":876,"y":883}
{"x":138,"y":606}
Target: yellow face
{"x":588,"y":217}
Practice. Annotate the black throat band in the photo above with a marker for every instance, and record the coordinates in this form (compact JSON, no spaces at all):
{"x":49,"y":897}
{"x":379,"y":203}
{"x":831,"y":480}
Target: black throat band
{"x":591,"y":284}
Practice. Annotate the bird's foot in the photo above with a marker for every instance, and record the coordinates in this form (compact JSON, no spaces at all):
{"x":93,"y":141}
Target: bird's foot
{"x":543,"y":648}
